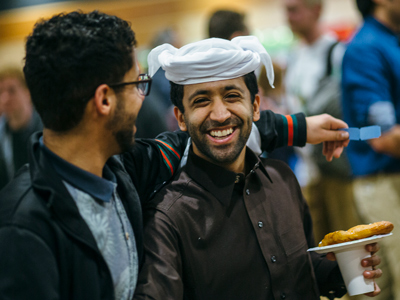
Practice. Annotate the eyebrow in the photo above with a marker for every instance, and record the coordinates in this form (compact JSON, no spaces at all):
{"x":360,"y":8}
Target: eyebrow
{"x":207,"y":92}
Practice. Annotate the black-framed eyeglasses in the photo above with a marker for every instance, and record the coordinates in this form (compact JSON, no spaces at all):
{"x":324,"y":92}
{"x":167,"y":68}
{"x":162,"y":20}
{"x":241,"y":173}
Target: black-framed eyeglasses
{"x":143,"y":84}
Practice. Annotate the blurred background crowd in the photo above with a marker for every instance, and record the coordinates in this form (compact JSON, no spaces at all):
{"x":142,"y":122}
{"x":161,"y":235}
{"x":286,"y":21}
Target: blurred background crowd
{"x":306,"y":39}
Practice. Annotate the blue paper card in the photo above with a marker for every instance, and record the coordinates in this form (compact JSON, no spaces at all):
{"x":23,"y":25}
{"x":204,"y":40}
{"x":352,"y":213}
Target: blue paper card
{"x":363,"y":133}
{"x":370,"y":132}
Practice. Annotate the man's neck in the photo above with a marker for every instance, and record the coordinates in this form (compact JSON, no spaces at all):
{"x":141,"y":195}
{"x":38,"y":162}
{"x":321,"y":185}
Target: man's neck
{"x":382,"y":16}
{"x":238,"y":166}
{"x":83,"y":151}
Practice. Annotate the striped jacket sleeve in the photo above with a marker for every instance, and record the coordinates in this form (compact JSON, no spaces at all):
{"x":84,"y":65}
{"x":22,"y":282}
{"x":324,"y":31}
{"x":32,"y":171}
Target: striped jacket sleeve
{"x":153,"y":162}
{"x":281,"y":130}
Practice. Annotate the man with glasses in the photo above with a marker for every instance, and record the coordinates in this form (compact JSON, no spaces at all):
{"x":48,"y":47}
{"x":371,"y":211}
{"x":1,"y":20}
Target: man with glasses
{"x":71,"y":220}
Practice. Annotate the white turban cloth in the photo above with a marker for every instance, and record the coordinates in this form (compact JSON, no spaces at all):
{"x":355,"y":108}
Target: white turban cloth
{"x":211,"y":59}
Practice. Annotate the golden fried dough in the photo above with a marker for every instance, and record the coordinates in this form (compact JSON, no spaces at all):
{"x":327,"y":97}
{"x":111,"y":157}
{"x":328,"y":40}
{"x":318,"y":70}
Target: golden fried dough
{"x":356,"y":233}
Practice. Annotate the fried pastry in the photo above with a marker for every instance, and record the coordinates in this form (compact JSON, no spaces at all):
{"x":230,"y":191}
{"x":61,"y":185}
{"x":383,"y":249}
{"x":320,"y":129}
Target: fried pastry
{"x":356,"y":233}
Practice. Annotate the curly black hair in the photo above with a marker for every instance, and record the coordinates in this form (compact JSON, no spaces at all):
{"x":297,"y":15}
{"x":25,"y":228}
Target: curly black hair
{"x":68,"y":56}
{"x":176,"y":92}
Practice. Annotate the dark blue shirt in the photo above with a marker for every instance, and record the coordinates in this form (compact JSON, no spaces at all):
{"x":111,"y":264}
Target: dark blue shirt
{"x":99,"y":188}
{"x":371,"y":92}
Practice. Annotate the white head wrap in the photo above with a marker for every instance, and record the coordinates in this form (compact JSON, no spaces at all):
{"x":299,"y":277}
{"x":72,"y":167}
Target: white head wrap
{"x":210,"y":60}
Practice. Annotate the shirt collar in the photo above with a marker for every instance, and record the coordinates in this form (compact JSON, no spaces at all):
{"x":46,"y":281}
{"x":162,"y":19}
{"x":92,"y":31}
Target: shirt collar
{"x":217,"y":180}
{"x":99,"y":188}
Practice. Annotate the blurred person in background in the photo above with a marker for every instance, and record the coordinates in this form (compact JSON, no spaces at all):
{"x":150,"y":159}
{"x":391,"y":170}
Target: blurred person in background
{"x":17,"y":123}
{"x":275,"y":100}
{"x":313,"y":86}
{"x":156,"y":114}
{"x":227,"y":24}
{"x":371,"y":96}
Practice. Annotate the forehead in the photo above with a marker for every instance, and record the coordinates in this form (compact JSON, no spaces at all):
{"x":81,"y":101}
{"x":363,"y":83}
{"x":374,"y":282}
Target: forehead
{"x":10,"y":82}
{"x":215,"y":86}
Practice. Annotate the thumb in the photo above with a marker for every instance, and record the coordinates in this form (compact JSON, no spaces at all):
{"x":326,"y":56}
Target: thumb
{"x":336,"y":135}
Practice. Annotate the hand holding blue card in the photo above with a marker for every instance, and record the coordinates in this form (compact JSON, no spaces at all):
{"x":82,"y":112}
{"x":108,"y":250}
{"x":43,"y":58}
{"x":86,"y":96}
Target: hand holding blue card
{"x":363,"y":133}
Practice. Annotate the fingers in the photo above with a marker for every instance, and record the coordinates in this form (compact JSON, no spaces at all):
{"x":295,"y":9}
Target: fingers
{"x":333,"y":149}
{"x":373,"y":248}
{"x":331,"y":256}
{"x":376,"y":292}
{"x":336,"y":123}
{"x":338,"y":149}
{"x":321,"y":128}
{"x":372,"y":261}
{"x":334,"y":135}
{"x":372,"y":274}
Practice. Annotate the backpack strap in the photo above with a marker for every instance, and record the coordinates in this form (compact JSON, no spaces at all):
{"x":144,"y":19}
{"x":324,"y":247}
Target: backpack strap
{"x":329,"y":59}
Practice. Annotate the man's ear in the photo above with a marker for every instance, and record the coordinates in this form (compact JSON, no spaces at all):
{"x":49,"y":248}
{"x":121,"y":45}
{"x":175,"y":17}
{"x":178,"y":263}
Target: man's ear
{"x":104,"y":99}
{"x":180,"y":118}
{"x":256,"y":108}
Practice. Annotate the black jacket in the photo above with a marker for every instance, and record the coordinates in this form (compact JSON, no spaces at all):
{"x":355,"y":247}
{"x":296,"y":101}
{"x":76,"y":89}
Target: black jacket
{"x":46,"y":246}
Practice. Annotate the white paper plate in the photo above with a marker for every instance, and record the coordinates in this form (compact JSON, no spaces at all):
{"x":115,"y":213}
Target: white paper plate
{"x":343,"y":246}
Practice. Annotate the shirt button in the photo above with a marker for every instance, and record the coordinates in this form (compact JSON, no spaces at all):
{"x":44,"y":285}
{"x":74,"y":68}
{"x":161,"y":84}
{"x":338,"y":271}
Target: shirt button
{"x":260,"y":224}
{"x":247,"y":192}
{"x":273,"y":259}
{"x":283,"y":296}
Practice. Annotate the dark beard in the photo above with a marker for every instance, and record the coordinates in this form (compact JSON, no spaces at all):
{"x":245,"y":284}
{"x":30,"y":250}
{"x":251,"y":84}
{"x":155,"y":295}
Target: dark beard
{"x":122,"y":127}
{"x":125,"y":139}
{"x":224,"y":154}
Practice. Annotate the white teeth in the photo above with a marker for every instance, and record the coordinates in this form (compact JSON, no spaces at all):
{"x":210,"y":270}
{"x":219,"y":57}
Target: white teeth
{"x":219,"y":133}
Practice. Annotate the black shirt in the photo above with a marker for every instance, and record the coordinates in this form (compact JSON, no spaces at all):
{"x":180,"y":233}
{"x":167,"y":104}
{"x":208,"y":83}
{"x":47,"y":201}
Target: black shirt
{"x":214,"y":234}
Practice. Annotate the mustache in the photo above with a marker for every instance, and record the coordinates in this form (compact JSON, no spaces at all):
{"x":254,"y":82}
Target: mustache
{"x":232,"y":121}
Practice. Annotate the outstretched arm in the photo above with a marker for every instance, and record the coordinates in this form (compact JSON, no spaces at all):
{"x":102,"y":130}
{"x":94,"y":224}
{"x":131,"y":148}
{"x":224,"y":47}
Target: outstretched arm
{"x":295,"y":130}
{"x":324,"y":129}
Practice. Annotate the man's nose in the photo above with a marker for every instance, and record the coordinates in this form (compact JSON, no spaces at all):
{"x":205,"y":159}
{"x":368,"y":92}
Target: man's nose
{"x":220,"y":112}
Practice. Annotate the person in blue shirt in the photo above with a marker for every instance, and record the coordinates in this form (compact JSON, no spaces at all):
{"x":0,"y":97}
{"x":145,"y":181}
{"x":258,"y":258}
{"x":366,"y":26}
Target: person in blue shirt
{"x":371,"y":96}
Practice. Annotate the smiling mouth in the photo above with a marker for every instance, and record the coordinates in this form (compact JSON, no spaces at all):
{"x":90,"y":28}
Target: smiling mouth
{"x":221,"y":133}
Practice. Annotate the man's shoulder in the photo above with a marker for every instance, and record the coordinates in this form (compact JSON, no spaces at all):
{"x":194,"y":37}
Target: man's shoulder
{"x":20,"y":205}
{"x":277,"y":165}
{"x":169,"y":196}
{"x":365,"y":38}
{"x":279,"y":171}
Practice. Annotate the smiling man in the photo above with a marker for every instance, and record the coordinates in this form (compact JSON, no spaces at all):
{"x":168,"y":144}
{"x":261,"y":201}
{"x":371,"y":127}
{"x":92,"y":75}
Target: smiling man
{"x":230,"y":225}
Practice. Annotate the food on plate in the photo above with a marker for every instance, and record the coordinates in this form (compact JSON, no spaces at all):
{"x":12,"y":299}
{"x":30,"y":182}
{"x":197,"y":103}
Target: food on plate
{"x":356,"y":233}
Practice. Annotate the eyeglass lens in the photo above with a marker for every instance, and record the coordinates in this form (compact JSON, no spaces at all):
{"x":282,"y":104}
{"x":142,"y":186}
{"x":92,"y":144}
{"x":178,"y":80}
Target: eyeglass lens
{"x":143,"y":87}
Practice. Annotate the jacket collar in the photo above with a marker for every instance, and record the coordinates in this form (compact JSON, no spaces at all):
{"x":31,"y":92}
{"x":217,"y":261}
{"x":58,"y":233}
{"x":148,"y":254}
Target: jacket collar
{"x":99,"y":188}
{"x":216,"y":179}
{"x":49,"y":185}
